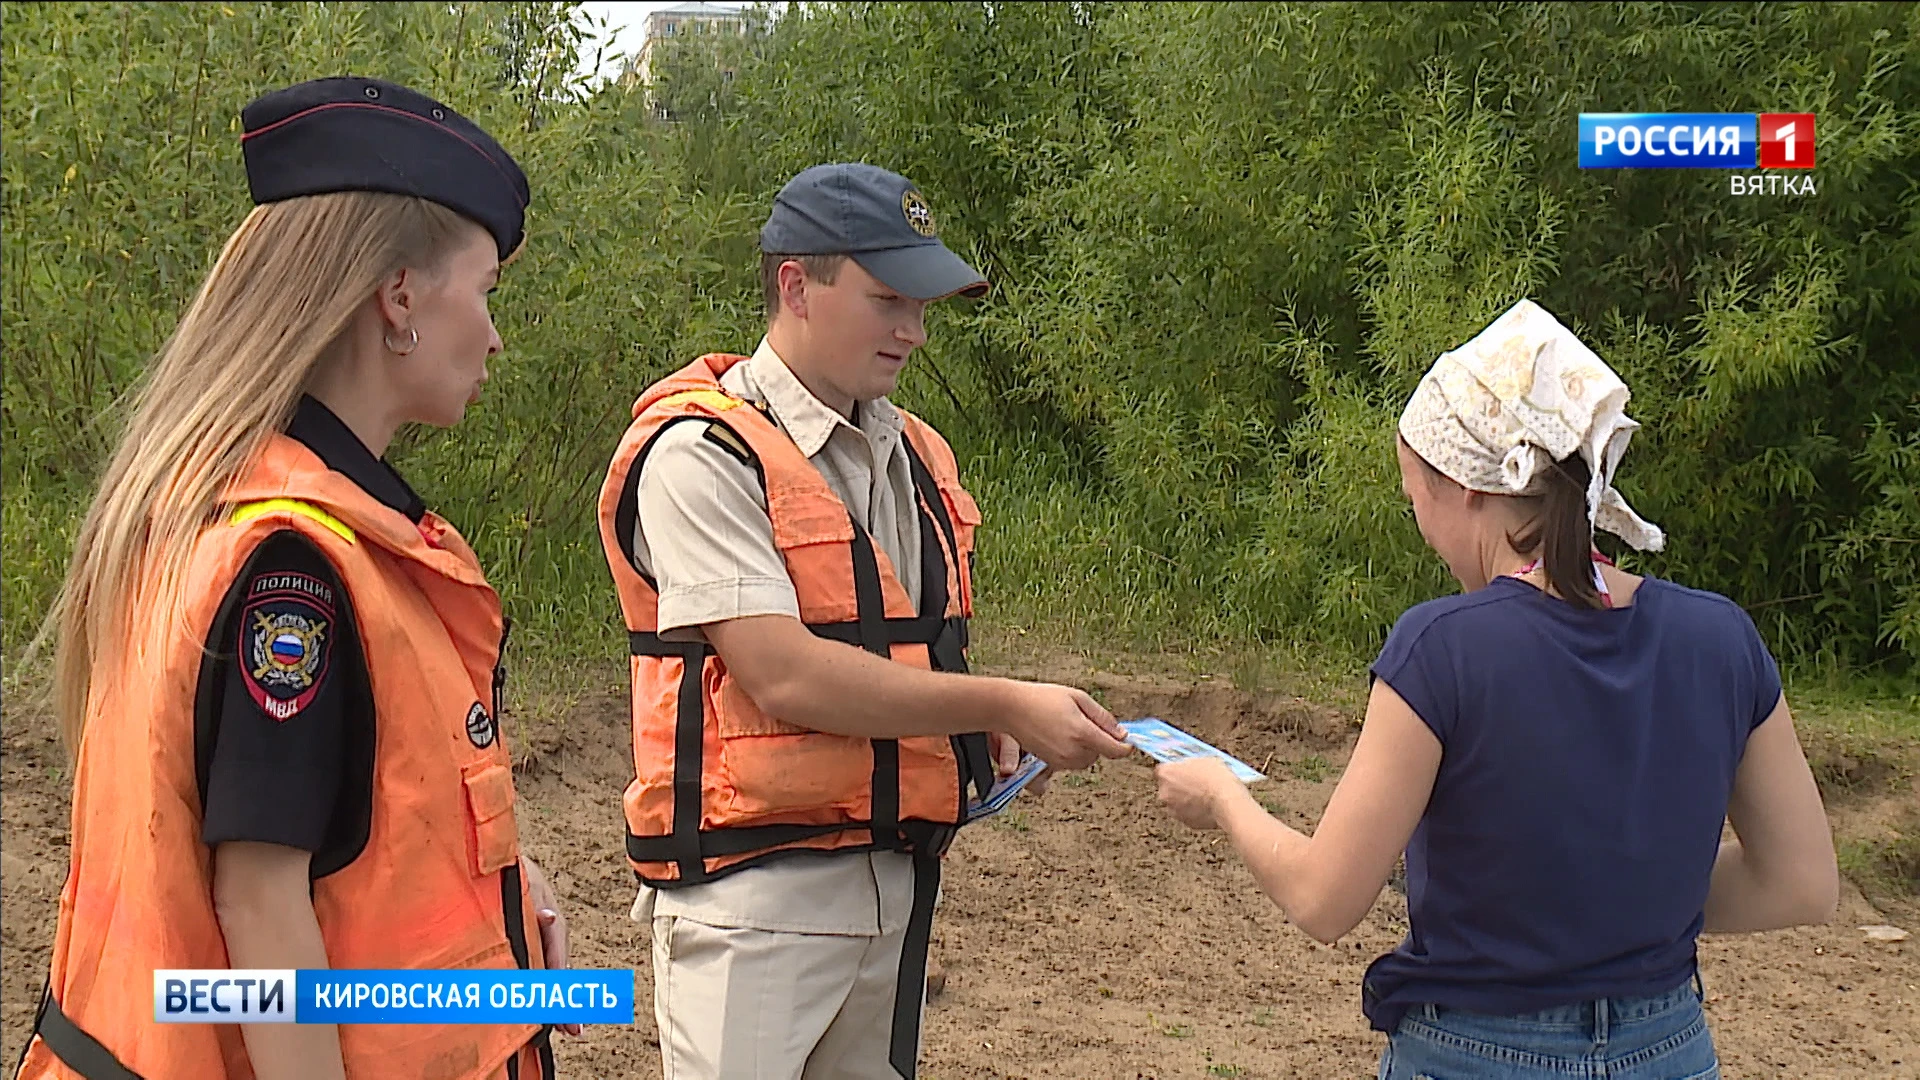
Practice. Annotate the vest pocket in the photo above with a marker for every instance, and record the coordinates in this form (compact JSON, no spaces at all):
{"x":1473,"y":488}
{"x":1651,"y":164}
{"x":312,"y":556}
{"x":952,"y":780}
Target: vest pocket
{"x":490,"y":803}
{"x":966,"y":520}
{"x":776,"y":776}
{"x":965,"y":511}
{"x":768,"y":766}
{"x":736,"y":716}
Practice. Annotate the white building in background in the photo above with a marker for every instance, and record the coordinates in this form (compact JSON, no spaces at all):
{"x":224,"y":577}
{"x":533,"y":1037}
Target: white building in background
{"x":680,"y":20}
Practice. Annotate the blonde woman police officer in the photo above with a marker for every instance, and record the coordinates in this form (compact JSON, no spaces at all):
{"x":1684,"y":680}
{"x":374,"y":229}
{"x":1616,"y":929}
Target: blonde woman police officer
{"x":278,"y":671}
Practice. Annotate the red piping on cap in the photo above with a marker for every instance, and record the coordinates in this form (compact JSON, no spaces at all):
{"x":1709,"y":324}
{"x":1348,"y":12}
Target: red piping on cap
{"x":397,"y":112}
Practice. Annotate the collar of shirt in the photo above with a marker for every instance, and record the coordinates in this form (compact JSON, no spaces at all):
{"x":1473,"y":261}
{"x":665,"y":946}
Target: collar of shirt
{"x":316,"y":427}
{"x":807,"y":420}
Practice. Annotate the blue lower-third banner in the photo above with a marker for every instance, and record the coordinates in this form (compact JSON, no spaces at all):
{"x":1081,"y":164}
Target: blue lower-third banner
{"x":490,"y":996}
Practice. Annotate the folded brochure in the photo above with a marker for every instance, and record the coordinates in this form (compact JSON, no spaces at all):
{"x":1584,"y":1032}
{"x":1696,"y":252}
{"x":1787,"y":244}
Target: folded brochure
{"x":1164,"y":742}
{"x":1008,"y":786}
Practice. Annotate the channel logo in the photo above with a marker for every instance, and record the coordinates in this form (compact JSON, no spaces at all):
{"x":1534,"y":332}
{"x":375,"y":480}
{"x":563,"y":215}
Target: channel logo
{"x":223,"y":997}
{"x":463,"y":996}
{"x":1696,"y":140}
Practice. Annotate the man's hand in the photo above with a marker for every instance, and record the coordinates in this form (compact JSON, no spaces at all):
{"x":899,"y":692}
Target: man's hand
{"x":1062,"y":726}
{"x":1006,"y":762}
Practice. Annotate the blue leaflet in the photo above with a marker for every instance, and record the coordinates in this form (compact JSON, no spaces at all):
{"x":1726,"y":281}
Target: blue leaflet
{"x":1004,"y":791}
{"x":1163,"y":742}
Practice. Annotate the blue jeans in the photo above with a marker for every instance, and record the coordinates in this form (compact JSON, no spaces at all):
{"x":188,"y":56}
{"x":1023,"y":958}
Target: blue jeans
{"x":1653,"y":1038}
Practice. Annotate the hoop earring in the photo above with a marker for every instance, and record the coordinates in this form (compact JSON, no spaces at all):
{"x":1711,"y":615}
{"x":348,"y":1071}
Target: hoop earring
{"x":413,"y":342}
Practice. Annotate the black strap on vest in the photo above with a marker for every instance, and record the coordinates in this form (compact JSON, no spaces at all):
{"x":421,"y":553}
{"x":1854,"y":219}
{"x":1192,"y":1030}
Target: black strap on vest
{"x":870,"y":609}
{"x":909,"y":993}
{"x":76,"y":1049}
{"x":930,"y":494}
{"x":689,"y":744}
{"x":516,"y":926}
{"x":948,"y":647}
{"x":510,"y":911}
{"x":542,"y":1042}
{"x":948,"y":651}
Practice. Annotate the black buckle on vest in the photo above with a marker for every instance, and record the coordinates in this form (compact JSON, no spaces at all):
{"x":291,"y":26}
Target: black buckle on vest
{"x":942,"y":839}
{"x":927,"y":838}
{"x":949,"y":646}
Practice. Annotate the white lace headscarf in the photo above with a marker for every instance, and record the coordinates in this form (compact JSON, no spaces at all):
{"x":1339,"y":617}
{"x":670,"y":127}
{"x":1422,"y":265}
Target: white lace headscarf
{"x":1494,"y":415}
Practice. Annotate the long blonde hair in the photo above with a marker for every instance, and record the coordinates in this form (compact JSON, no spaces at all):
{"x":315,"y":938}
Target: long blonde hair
{"x":284,"y":290}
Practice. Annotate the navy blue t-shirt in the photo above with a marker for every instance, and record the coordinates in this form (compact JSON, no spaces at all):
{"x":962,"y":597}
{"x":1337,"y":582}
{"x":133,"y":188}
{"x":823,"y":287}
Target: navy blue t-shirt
{"x":1586,"y":761}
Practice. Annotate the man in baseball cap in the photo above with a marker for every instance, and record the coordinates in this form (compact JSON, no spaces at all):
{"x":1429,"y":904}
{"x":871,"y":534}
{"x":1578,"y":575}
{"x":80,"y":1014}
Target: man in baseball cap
{"x":876,"y":218}
{"x":793,"y":556}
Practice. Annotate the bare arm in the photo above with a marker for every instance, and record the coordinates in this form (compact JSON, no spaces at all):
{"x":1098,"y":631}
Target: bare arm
{"x":1325,"y":884}
{"x":1779,"y":870}
{"x":824,"y":685}
{"x":266,"y":915}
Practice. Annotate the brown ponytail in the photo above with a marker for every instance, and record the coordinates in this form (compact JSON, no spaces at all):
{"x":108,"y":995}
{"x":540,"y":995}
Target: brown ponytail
{"x":1563,"y":530}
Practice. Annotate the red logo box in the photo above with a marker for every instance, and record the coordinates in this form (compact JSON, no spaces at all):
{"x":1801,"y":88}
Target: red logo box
{"x":1786,"y":140}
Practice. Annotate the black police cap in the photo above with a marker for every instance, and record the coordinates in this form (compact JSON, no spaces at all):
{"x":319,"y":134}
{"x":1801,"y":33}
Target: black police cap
{"x":358,"y":134}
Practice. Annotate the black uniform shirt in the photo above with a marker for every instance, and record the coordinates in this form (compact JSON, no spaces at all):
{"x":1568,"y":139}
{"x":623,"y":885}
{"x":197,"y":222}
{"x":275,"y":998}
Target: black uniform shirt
{"x":284,"y":722}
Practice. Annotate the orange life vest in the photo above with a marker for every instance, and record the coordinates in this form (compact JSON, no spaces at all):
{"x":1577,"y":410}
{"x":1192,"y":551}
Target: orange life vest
{"x":438,"y":883}
{"x":719,"y":784}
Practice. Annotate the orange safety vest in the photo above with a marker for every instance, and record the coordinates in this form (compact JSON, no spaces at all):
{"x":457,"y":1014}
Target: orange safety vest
{"x":438,"y":884}
{"x":719,"y":785}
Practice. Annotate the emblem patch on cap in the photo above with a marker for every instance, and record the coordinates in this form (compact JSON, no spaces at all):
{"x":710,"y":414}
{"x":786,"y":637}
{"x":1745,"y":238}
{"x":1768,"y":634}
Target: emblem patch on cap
{"x":919,"y":214}
{"x":285,"y":641}
{"x":480,"y":726}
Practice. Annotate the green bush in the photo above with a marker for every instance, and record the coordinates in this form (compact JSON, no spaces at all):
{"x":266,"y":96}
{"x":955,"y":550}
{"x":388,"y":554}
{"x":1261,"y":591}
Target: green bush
{"x":1230,"y":237}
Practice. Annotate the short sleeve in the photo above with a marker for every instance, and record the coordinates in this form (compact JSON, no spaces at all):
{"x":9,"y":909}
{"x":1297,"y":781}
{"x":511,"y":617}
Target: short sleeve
{"x":1417,"y":664}
{"x":1758,"y":663}
{"x":285,"y":704}
{"x":704,"y":536}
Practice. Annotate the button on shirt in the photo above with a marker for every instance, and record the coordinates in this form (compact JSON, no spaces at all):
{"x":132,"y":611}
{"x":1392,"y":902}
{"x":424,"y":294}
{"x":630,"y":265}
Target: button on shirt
{"x":705,"y":539}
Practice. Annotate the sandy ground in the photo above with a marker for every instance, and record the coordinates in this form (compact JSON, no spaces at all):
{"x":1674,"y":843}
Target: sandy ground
{"x":1084,"y":933}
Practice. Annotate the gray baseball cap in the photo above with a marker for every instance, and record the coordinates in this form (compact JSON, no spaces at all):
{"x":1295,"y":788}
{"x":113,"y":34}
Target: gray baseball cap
{"x":877,"y":217}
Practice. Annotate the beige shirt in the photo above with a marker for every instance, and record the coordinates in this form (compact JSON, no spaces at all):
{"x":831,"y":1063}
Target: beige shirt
{"x":703,"y":531}
{"x":704,"y":536}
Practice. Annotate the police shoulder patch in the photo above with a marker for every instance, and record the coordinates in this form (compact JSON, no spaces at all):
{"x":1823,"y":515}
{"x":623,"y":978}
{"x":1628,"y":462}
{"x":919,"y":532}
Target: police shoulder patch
{"x":285,"y":646}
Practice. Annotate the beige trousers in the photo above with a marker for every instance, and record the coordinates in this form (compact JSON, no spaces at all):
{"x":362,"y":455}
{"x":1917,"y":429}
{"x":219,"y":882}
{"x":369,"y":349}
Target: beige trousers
{"x":760,"y":1005}
{"x":747,"y":1004}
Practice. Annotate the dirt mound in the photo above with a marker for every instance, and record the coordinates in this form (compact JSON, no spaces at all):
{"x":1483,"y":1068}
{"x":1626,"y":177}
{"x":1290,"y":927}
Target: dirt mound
{"x":1851,"y":771}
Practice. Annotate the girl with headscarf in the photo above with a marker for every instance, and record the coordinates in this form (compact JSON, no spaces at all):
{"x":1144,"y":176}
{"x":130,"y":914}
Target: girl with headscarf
{"x":1555,"y":750}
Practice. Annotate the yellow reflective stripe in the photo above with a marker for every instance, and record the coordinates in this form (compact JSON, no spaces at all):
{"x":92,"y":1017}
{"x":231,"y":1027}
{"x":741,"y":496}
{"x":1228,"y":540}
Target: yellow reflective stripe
{"x":246,"y":512}
{"x":712,"y":399}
